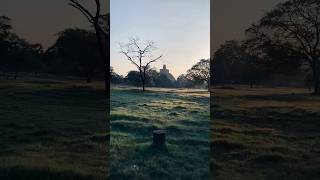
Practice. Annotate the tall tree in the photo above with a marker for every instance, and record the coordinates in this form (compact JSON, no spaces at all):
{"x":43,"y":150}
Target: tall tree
{"x":200,"y":72}
{"x":20,"y":55}
{"x":79,"y":52}
{"x":101,"y":24}
{"x":228,"y":63}
{"x":133,"y":78}
{"x":140,"y":55}
{"x":295,"y":26}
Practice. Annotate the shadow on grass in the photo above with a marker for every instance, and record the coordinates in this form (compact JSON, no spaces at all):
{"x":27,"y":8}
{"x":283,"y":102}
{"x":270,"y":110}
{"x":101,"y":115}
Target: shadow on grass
{"x":21,"y":173}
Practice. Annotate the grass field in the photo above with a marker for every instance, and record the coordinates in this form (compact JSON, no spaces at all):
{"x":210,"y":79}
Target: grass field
{"x":265,"y":133}
{"x":184,"y":114}
{"x":52,"y":130}
{"x":56,"y":130}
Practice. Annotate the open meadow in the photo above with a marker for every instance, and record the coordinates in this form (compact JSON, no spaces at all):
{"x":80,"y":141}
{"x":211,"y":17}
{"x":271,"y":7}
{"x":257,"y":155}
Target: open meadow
{"x":184,"y":114}
{"x":52,"y":130}
{"x":265,"y":133}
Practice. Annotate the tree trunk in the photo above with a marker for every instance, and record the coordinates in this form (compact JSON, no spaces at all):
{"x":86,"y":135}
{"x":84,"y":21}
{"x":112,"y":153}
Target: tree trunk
{"x":104,"y":49}
{"x":316,"y":78}
{"x":143,"y":85}
{"x":317,"y":83}
{"x":89,"y":79}
{"x":16,"y":75}
{"x":104,"y":53}
{"x":143,"y":79}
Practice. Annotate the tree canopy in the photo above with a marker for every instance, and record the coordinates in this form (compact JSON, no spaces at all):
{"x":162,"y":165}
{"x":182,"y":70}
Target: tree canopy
{"x":293,"y":27}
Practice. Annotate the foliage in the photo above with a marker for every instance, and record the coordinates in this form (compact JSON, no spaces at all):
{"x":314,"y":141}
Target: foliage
{"x":76,"y":52}
{"x":184,"y":82}
{"x":200,"y":72}
{"x":232,"y":65}
{"x":115,"y":78}
{"x":292,"y":27}
{"x":16,"y":54}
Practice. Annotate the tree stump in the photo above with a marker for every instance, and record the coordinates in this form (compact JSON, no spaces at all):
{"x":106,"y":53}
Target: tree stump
{"x":159,"y":139}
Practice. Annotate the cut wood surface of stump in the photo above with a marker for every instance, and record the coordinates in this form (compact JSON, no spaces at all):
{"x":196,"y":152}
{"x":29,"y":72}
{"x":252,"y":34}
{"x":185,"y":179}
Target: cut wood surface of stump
{"x":159,"y":139}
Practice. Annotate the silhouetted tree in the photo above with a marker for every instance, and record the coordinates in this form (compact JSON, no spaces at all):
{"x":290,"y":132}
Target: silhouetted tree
{"x":5,"y":26}
{"x":140,"y":55}
{"x":79,"y":52}
{"x":133,"y":78}
{"x":200,"y":72}
{"x":294,"y":26}
{"x":24,"y":57}
{"x":184,"y":82}
{"x":227,"y":63}
{"x":35,"y":62}
{"x":115,"y":78}
{"x":16,"y":54}
{"x":101,"y":24}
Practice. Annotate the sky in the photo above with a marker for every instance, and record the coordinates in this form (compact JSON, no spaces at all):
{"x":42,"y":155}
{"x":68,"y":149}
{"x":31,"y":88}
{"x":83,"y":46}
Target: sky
{"x":231,"y":18}
{"x":180,"y":29}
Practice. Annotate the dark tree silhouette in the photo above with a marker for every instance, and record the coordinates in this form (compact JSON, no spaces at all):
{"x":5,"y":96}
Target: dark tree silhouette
{"x":101,"y":24}
{"x":140,"y":55}
{"x":16,"y":54}
{"x":115,"y":78}
{"x":79,"y":51}
{"x":5,"y":26}
{"x":295,"y":26}
{"x":133,"y":78}
{"x":36,"y":63}
{"x":184,"y":82}
{"x":200,"y":72}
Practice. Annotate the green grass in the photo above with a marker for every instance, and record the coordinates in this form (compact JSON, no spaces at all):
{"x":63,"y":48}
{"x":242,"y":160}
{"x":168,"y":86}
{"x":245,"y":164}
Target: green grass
{"x":185,"y":117}
{"x":52,"y":130}
{"x":265,"y":133}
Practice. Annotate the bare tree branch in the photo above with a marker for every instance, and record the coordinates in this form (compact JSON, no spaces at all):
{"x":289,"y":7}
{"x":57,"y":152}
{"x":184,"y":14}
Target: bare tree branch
{"x":136,"y":54}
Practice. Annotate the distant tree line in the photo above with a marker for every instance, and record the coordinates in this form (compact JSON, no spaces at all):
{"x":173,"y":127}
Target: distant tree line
{"x":233,"y":64}
{"x":196,"y":77}
{"x":16,"y":54}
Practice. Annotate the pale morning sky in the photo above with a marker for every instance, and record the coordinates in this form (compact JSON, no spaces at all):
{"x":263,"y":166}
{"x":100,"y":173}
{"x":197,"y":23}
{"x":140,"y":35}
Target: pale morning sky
{"x":180,"y":28}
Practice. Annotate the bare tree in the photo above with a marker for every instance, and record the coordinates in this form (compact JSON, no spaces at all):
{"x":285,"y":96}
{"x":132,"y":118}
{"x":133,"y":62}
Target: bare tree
{"x":101,"y":24}
{"x":140,"y":55}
